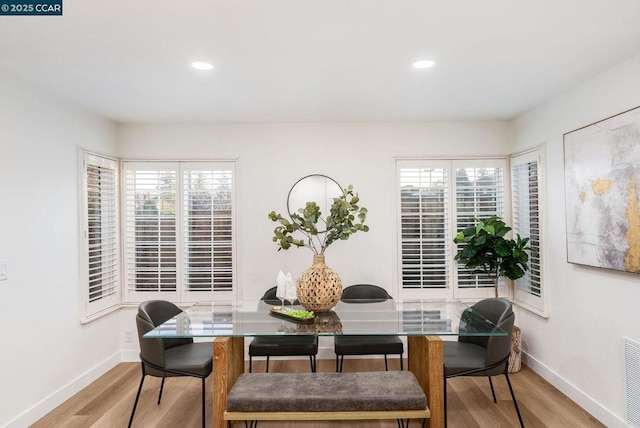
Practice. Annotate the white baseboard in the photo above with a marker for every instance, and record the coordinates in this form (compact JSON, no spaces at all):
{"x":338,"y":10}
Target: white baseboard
{"x":567,"y":388}
{"x":58,"y":397}
{"x":130,"y":356}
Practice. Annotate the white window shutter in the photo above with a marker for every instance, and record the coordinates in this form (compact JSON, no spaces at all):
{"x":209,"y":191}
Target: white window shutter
{"x":479,"y":194}
{"x":179,"y":230}
{"x":208,"y":227}
{"x":424,"y":229}
{"x":100,"y":271}
{"x":526,"y":181}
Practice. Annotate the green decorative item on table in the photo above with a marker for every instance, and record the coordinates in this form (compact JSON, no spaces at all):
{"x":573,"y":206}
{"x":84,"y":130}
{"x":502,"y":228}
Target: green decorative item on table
{"x":487,"y":251}
{"x":297,"y":315}
{"x":319,"y":288}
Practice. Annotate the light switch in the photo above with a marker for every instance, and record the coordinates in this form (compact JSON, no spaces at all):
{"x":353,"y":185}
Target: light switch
{"x":4,"y":270}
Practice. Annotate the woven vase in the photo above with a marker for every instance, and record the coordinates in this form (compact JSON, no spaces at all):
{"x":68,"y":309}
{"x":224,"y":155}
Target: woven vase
{"x":319,"y":288}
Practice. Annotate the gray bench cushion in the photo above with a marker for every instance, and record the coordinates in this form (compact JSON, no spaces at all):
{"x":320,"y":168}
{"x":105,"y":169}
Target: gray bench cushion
{"x":326,"y":392}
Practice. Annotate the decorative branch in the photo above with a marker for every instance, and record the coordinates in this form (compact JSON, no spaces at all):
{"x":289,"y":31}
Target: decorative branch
{"x":345,"y":218}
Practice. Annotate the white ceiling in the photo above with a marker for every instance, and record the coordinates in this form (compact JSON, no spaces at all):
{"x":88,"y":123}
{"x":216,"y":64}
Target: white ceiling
{"x":318,"y":60}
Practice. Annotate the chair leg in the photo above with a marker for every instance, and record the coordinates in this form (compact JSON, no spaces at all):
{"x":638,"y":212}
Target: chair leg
{"x":401,"y":362}
{"x":402,"y":423}
{"x":203,"y":397}
{"x":135,"y":403}
{"x":493,"y":392}
{"x":386,"y":365}
{"x":445,"y":402}
{"x":250,"y":363}
{"x":341,"y":362}
{"x":515,"y":402}
{"x":312,"y":361}
{"x":161,"y":388}
{"x":267,"y":364}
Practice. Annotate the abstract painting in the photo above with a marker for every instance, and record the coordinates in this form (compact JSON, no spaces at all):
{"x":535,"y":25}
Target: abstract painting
{"x":602,"y":185}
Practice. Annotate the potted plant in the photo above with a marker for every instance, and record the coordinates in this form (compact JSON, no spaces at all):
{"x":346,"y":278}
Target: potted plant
{"x":487,"y":251}
{"x":319,"y":288}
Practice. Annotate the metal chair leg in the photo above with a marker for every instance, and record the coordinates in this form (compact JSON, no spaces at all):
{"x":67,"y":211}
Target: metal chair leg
{"x":445,"y":402}
{"x":493,"y":392}
{"x":386,"y":365}
{"x":161,"y":388}
{"x":203,"y":399}
{"x":401,"y":362}
{"x":402,"y":424}
{"x":312,"y":361}
{"x":250,"y":363}
{"x":135,"y":403}
{"x":515,"y":402}
{"x":267,"y":371}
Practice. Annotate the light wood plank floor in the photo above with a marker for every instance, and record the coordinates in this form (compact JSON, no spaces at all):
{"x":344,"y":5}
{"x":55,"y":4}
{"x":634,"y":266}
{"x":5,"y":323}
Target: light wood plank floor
{"x":107,"y":402}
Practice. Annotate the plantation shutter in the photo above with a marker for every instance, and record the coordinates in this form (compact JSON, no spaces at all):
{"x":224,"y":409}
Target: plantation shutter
{"x":424,"y":226}
{"x":525,"y":184}
{"x":208,"y":227}
{"x":179,"y":230}
{"x":479,"y":190}
{"x":151,"y":235}
{"x":100,"y":246}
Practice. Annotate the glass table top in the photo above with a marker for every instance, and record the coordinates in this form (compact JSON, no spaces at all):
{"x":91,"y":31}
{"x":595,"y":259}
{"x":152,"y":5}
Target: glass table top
{"x":352,"y":317}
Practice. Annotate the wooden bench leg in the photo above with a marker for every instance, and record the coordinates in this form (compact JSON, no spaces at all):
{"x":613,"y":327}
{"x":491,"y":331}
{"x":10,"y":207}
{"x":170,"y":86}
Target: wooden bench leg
{"x":228,"y":365}
{"x":426,"y":363}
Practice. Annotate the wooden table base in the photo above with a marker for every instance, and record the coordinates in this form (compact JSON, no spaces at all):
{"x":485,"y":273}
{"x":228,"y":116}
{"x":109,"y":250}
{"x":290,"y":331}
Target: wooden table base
{"x":228,"y":365}
{"x":426,"y":363}
{"x":424,"y":356}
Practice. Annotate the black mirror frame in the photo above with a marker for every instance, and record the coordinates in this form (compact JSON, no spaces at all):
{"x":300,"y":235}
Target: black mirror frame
{"x":303,"y":178}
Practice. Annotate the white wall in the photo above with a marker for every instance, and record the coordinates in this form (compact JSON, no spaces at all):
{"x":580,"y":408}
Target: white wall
{"x":271,"y":157}
{"x":580,"y":347}
{"x":46,"y":355}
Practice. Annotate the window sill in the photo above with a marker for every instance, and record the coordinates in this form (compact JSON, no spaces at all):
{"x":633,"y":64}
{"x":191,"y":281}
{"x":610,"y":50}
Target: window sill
{"x":534,"y":310}
{"x":89,"y":318}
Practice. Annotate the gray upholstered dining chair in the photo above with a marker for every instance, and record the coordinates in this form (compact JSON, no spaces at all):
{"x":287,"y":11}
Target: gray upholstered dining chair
{"x":366,"y":345}
{"x":482,"y":355}
{"x":282,"y":346}
{"x":169,"y":357}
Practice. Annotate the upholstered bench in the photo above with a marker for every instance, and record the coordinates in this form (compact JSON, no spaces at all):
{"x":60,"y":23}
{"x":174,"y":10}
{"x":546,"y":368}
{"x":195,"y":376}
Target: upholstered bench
{"x":326,"y":396}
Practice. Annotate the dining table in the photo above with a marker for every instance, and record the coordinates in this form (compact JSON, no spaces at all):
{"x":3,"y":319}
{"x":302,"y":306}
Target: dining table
{"x":425,"y":323}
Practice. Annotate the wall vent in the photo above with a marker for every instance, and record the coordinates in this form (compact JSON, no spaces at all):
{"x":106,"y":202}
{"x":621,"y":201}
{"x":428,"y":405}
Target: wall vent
{"x":632,"y":364}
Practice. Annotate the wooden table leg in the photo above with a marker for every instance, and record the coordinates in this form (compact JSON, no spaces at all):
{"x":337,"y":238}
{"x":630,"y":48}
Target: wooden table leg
{"x":426,"y":363}
{"x":228,"y":365}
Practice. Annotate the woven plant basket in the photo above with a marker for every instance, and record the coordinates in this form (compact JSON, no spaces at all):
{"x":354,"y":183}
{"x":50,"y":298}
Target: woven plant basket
{"x":515,"y":359}
{"x":319,"y":288}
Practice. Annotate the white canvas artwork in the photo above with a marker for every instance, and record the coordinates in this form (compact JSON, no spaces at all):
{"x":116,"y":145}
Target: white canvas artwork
{"x":602,"y":186}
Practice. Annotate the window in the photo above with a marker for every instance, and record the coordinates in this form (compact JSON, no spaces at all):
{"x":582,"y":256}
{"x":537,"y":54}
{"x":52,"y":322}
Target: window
{"x":99,"y":267}
{"x":179,"y":227}
{"x":526,"y":181}
{"x":437,"y":199}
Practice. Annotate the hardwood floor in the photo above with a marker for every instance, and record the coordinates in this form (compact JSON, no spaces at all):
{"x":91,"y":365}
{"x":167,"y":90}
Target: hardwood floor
{"x":107,"y":402}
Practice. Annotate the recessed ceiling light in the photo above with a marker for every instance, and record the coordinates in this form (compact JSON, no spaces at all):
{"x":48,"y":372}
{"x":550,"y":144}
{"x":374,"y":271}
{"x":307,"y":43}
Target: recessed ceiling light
{"x":423,"y":64}
{"x":202,"y":65}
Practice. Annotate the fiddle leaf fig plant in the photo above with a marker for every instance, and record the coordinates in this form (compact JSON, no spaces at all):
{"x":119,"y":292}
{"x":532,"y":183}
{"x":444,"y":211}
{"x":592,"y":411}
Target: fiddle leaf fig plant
{"x":487,"y":251}
{"x":345,"y":218}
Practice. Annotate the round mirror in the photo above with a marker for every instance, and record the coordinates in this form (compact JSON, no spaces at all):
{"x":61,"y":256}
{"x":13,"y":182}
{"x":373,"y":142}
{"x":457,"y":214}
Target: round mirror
{"x":313,"y":188}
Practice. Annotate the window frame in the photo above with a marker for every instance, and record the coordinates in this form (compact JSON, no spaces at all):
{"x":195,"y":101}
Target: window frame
{"x":91,"y":309}
{"x":535,"y":304}
{"x":180,"y":295}
{"x":451,"y":290}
